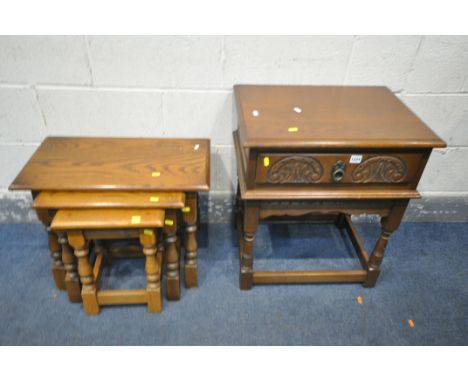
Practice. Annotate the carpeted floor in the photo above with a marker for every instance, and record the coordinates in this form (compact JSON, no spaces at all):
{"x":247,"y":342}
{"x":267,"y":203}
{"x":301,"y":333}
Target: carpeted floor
{"x":424,"y":279}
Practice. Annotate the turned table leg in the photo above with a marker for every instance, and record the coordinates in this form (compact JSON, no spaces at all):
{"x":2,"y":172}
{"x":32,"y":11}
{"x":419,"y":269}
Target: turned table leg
{"x":88,"y":291}
{"x":237,"y":207}
{"x":172,"y":256}
{"x":250,"y":223}
{"x":153,"y":285}
{"x":58,"y":269}
{"x":72,"y":281}
{"x":389,"y":225}
{"x":190,"y":260}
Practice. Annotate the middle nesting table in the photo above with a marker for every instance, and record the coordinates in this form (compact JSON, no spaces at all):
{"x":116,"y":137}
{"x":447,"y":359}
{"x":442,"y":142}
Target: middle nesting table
{"x":96,"y":203}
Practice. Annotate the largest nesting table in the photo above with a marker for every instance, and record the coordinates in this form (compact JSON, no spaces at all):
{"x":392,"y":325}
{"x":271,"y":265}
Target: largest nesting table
{"x":325,"y":152}
{"x":129,"y":168}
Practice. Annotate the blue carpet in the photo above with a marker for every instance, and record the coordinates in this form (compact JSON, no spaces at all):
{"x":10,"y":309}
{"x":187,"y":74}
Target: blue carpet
{"x":424,"y":278}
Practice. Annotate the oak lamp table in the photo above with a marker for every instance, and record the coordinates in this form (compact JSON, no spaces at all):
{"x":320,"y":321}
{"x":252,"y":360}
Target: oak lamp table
{"x":127,"y":166}
{"x":325,"y":153}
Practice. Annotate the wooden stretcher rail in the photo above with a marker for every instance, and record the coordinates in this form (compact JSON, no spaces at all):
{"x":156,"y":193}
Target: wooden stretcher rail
{"x":97,"y":269}
{"x":313,"y":276}
{"x":356,"y":241}
{"x":126,"y":296}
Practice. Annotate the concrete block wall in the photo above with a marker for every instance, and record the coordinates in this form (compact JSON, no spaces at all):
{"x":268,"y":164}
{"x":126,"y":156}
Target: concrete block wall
{"x":181,"y":86}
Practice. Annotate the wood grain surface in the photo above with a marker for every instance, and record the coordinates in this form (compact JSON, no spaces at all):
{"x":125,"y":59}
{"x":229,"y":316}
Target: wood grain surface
{"x":328,"y":117}
{"x":70,"y":219}
{"x":108,"y":199}
{"x":330,"y":191}
{"x":136,"y":164}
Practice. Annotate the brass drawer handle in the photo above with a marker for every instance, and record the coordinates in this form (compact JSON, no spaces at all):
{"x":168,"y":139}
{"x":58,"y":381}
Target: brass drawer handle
{"x":338,"y":171}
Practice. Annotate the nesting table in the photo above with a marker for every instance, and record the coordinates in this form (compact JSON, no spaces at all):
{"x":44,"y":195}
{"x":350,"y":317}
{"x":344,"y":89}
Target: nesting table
{"x":325,"y":153}
{"x":82,"y":177}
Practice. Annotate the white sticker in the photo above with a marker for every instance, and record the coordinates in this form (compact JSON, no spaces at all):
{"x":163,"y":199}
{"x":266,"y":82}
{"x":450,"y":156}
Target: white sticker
{"x":355,"y":159}
{"x":297,"y":110}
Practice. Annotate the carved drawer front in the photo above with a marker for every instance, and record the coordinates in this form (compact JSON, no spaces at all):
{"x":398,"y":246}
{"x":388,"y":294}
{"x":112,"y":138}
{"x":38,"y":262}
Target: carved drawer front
{"x":339,"y":168}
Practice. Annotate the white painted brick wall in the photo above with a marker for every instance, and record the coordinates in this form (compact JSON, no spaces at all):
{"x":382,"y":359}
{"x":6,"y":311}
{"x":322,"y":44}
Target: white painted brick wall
{"x":382,"y":60}
{"x":446,"y":171}
{"x":90,"y":112}
{"x":12,"y":158}
{"x":20,"y":116}
{"x":182,"y":86}
{"x":286,"y":59}
{"x":179,"y":62}
{"x":440,"y":66}
{"x":189,"y":114}
{"x":44,"y":60}
{"x":446,"y":114}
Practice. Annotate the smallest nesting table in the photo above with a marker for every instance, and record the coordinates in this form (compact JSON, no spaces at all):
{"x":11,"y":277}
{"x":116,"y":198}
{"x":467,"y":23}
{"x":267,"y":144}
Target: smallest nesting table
{"x":123,"y":173}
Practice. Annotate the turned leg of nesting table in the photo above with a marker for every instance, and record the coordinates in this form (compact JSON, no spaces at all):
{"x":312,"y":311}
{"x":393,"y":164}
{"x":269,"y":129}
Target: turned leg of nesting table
{"x":58,"y":269}
{"x":190,"y":213}
{"x":153,"y":275}
{"x":72,"y":280}
{"x":88,"y":290}
{"x":172,"y":256}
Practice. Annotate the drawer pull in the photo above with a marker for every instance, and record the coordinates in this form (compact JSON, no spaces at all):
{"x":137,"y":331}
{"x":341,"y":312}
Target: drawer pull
{"x":338,"y":171}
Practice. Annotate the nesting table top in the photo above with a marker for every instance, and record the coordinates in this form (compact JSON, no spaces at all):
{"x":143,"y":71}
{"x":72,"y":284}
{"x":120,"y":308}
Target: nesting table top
{"x":138,"y":164}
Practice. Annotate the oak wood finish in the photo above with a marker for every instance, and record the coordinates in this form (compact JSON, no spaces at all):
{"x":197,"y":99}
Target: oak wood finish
{"x":77,"y":173}
{"x":356,"y":241}
{"x":190,"y":218}
{"x":72,"y":281}
{"x":80,"y":224}
{"x":108,"y":199}
{"x":302,"y":172}
{"x":118,"y":297}
{"x":88,"y":291}
{"x":323,"y":153}
{"x":331,"y":117}
{"x":110,"y":218}
{"x":319,"y":276}
{"x":172,"y":256}
{"x":320,"y":192}
{"x":136,"y":164}
{"x":57,"y":268}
